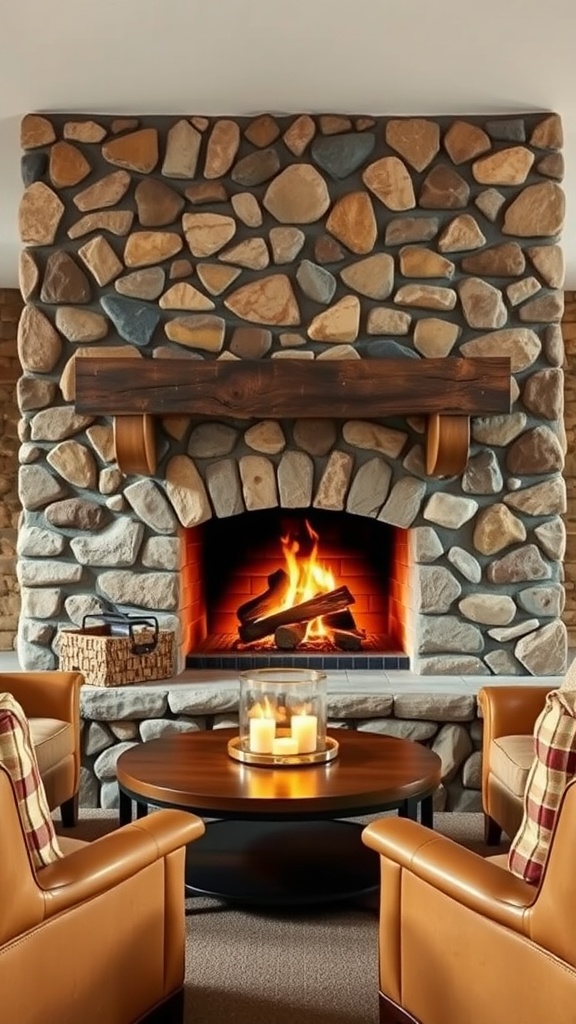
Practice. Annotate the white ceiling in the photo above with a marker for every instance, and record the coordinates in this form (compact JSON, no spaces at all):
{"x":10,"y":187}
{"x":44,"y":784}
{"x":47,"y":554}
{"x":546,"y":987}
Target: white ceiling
{"x":247,"y":56}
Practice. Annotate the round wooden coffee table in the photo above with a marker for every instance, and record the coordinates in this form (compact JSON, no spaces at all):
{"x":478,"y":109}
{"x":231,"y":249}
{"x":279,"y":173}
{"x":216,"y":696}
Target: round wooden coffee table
{"x":279,"y":838}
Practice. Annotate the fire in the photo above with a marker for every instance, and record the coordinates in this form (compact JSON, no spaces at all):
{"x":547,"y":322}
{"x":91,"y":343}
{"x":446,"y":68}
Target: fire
{"x":307,"y":577}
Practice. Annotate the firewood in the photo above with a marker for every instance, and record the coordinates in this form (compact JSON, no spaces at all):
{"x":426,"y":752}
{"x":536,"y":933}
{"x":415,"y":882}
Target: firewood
{"x":256,"y":607}
{"x":322,"y":604}
{"x":288,"y":637}
{"x":347,"y":640}
{"x":340,"y":620}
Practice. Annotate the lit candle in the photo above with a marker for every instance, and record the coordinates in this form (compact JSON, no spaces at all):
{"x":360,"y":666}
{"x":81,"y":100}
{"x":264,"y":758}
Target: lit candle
{"x":304,"y":730}
{"x":262,"y":732}
{"x":285,"y":745}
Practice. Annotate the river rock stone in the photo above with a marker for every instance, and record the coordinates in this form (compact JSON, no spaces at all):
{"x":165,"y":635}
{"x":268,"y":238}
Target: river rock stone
{"x":28,"y":274}
{"x":142,"y":284}
{"x":297,"y":196}
{"x":39,"y":214}
{"x":372,"y":277}
{"x":449,"y":510}
{"x":58,"y":423}
{"x":198,"y":331}
{"x":257,"y":168}
{"x":545,"y":499}
{"x":498,"y":430}
{"x":464,"y":141}
{"x":35,"y":542}
{"x":262,"y":131}
{"x":133,"y":320}
{"x":504,"y":260}
{"x":403,"y":503}
{"x":549,"y":262}
{"x":519,"y":291}
{"x":490,"y":202}
{"x":286,"y":243}
{"x":489,"y":609}
{"x":482,"y":304}
{"x":369,"y":488}
{"x":504,"y":633}
{"x":42,"y":603}
{"x":374,"y":437}
{"x":444,"y":189}
{"x":548,"y":133}
{"x":497,"y":528}
{"x":266,"y":437}
{"x":144,"y":248}
{"x":222,"y":147}
{"x":74,"y":463}
{"x":77,"y":514}
{"x":64,"y":281}
{"x":151,"y":506}
{"x":390,"y":181}
{"x":137,"y":151}
{"x":453,"y":745}
{"x":465,"y":563}
{"x":80,"y":325}
{"x":537,"y":212}
{"x":334,"y":482}
{"x":36,"y":130}
{"x":544,"y":652}
{"x":551,"y":537}
{"x":157,"y":204}
{"x":352,"y":222}
{"x":156,"y":591}
{"x":216,"y":278}
{"x":521,"y":344}
{"x":252,"y":253}
{"x":37,"y":487}
{"x":404,"y":230}
{"x":504,"y":167}
{"x":427,"y":546}
{"x":295,"y":480}
{"x":316,"y":282}
{"x":39,"y":344}
{"x":247,"y":209}
{"x":381,"y":320}
{"x":482,"y":474}
{"x":435,"y":338}
{"x":543,"y":601}
{"x":84,"y":131}
{"x":299,"y":134}
{"x":185,"y":296}
{"x":441,"y":634}
{"x":339,"y":352}
{"x":223,"y":485}
{"x":269,"y":300}
{"x":416,"y":261}
{"x":117,"y":545}
{"x":212,"y":440}
{"x":102,"y":262}
{"x":105,"y":192}
{"x":338,"y":323}
{"x":186,"y":491}
{"x":462,"y":234}
{"x":416,"y":139}
{"x":525,"y":563}
{"x":438,"y":589}
{"x":258,"y":482}
{"x":315,"y":436}
{"x":544,"y":308}
{"x":67,"y":165}
{"x":182,"y":150}
{"x":426,"y":296}
{"x":534,"y":452}
{"x":341,"y":155}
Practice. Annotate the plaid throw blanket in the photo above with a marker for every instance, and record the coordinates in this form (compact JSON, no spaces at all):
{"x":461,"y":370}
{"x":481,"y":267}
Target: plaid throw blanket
{"x":554,"y":766}
{"x":18,"y":756}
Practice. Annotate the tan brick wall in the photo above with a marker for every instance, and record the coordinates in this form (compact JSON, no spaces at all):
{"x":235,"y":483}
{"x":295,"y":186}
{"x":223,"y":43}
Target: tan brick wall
{"x":10,"y":306}
{"x":569,"y":331}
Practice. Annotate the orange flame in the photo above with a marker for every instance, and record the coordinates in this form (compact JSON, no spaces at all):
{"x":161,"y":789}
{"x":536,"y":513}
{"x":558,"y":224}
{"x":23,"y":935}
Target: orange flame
{"x":307,"y":577}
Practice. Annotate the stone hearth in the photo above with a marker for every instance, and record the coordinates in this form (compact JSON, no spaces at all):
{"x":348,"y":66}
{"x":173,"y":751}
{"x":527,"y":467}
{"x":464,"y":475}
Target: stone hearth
{"x":309,"y":238}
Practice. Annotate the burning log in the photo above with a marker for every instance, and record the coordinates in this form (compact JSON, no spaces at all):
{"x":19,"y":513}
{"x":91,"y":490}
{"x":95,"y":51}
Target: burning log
{"x":322,"y":604}
{"x":256,"y":607}
{"x":288,"y":637}
{"x":347,"y":640}
{"x":340,"y":620}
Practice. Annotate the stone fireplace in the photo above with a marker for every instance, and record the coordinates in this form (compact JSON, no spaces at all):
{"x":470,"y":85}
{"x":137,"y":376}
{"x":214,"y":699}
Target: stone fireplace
{"x":174,"y":269}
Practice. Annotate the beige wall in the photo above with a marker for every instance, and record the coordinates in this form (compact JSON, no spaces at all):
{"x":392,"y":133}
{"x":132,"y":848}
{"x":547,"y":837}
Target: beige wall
{"x":10,"y":306}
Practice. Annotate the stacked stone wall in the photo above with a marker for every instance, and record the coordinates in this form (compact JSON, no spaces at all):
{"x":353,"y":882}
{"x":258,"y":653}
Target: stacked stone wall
{"x":569,"y":333}
{"x":311,"y":238}
{"x":10,"y":308}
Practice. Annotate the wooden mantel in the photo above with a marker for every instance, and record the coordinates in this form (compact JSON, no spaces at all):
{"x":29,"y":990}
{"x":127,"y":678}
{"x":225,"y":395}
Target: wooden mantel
{"x":448,"y":391}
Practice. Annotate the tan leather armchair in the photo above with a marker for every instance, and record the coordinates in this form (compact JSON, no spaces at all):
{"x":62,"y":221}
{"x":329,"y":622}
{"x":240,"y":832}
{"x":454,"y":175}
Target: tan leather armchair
{"x":51,"y":702}
{"x":463,"y":941}
{"x":98,"y":936}
{"x":509,"y":713}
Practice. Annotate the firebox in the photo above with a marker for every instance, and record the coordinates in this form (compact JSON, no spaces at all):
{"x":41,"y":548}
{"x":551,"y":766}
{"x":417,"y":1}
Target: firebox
{"x":298,"y":587}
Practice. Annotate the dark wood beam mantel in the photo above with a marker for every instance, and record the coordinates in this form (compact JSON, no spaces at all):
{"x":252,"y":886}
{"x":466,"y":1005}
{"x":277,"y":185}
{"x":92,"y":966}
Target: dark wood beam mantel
{"x":448,"y":391}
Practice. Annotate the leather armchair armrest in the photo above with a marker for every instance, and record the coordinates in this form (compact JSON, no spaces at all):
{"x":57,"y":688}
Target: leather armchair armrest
{"x":45,"y":694}
{"x":106,"y":862}
{"x":464,"y":876}
{"x":510,"y":710}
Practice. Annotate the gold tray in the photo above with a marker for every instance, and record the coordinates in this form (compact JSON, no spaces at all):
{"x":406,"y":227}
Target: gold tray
{"x":283,"y":760}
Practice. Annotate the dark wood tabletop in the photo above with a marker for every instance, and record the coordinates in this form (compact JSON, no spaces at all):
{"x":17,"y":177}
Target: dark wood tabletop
{"x":193,"y":770}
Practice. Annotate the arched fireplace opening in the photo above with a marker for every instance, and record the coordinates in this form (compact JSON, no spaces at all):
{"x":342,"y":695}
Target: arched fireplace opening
{"x":304,"y":587}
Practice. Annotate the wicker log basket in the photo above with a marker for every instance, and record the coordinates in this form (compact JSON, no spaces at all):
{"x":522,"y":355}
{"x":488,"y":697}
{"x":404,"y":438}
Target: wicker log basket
{"x":118,"y":651}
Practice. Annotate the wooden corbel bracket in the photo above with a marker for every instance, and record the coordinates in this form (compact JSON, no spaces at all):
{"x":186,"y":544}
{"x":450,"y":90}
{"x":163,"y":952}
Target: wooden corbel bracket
{"x":447,"y":391}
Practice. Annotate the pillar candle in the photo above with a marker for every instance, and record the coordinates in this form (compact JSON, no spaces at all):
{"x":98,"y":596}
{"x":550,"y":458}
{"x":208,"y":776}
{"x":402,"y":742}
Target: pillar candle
{"x":304,"y":730}
{"x":262,"y":732}
{"x":285,"y":745}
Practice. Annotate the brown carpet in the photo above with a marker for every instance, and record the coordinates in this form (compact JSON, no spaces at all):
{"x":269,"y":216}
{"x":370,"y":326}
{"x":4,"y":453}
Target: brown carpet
{"x":311,"y":967}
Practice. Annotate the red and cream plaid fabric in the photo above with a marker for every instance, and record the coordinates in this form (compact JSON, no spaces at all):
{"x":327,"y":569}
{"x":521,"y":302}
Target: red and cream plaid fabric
{"x":554,"y":766}
{"x":18,"y":756}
